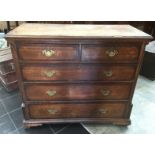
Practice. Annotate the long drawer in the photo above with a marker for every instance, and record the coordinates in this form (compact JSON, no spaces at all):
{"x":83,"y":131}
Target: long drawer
{"x":48,"y":52}
{"x":111,"y":52}
{"x":39,"y":111}
{"x":68,"y":91}
{"x":78,"y":72}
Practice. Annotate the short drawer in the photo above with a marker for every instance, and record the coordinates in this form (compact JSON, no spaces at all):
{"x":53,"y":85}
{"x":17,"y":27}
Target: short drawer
{"x":66,"y":91}
{"x":38,"y":111}
{"x":78,"y":72}
{"x":111,"y":52}
{"x":48,"y":52}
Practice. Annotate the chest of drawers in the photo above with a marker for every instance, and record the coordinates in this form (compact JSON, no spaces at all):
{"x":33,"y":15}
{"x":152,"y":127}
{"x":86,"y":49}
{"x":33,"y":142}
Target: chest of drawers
{"x":7,"y":70}
{"x":77,"y":73}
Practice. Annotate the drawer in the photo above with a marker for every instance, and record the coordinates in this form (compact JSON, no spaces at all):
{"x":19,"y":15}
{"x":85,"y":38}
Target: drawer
{"x":78,"y":72}
{"x":111,"y":52}
{"x":48,"y":52}
{"x":66,"y":91}
{"x":37,"y":111}
{"x":9,"y":77}
{"x":9,"y":86}
{"x":7,"y":66}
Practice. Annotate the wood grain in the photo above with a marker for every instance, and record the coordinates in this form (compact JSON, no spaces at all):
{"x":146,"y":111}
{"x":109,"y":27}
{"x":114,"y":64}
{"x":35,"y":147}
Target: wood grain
{"x":77,"y":91}
{"x":76,"y":30}
{"x":79,"y":72}
{"x":76,"y":110}
{"x":34,"y":52}
{"x":125,"y":52}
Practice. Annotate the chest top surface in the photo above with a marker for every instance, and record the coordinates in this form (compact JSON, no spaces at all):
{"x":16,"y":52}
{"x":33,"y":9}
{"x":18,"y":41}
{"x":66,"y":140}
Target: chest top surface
{"x":27,"y":30}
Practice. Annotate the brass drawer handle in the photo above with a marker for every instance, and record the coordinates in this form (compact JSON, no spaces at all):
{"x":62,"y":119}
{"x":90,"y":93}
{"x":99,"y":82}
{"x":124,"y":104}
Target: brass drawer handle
{"x":52,"y":111}
{"x":105,"y":92}
{"x":48,"y":53}
{"x":111,"y":53}
{"x":49,"y":73}
{"x":108,"y":73}
{"x":51,"y":92}
{"x":103,"y":111}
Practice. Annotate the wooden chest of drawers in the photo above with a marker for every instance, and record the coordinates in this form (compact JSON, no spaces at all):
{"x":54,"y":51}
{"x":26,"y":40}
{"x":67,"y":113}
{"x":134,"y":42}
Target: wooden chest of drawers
{"x":77,"y":73}
{"x":7,"y":70}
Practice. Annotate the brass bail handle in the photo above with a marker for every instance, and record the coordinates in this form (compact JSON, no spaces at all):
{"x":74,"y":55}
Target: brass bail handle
{"x":51,"y":93}
{"x":108,"y":73}
{"x":112,"y":52}
{"x":52,"y":111}
{"x":105,"y":92}
{"x":49,"y":73}
{"x":48,"y":53}
{"x":103,"y":111}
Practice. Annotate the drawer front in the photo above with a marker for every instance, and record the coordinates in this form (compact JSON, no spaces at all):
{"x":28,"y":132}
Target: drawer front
{"x":10,"y":77}
{"x":48,"y":52}
{"x":49,"y":91}
{"x":37,"y":111}
{"x":78,"y":72}
{"x":110,"y":53}
{"x":7,"y":67}
{"x":9,"y":86}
